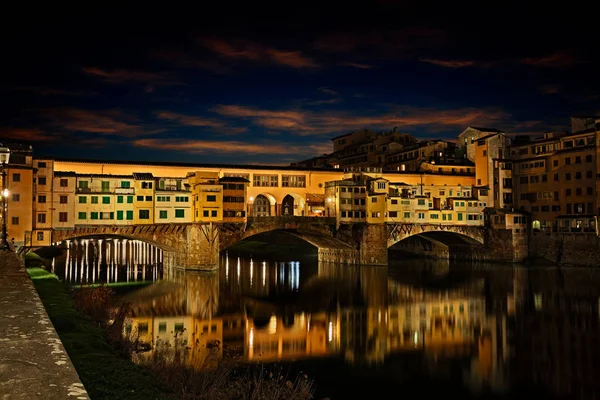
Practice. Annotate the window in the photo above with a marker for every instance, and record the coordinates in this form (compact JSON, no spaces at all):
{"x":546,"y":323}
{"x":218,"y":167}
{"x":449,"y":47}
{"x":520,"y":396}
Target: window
{"x":42,"y":199}
{"x":567,"y":160}
{"x":205,"y":213}
{"x":567,"y":192}
{"x":421,"y":215}
{"x":485,"y":153}
{"x":407,"y":215}
{"x":162,"y":327}
{"x":82,"y":200}
{"x":105,"y":186}
{"x":15,"y":220}
{"x":421,"y":202}
{"x":83,"y":184}
{"x":120,"y":215}
{"x":41,"y":164}
{"x":107,"y":215}
{"x":129,"y":215}
{"x":81,"y":215}
{"x":62,"y":217}
{"x":179,"y":213}
{"x":105,"y":200}
{"x":41,"y":218}
{"x":213,"y":213}
{"x":181,"y":199}
{"x":93,"y":215}
{"x":16,"y":178}
{"x":162,"y":214}
{"x":63,"y":199}
{"x":144,"y":214}
{"x":578,"y":160}
{"x":146,"y":185}
{"x":148,"y":198}
{"x":125,"y":184}
{"x":64,"y":183}
{"x":40,"y":236}
{"x":94,"y":199}
{"x":460,"y":216}
{"x":129,"y":199}
{"x":373,"y":199}
{"x":16,"y":197}
{"x":266,"y":180}
{"x":588,"y":158}
{"x":41,"y":181}
{"x":140,"y":198}
{"x":119,"y":199}
{"x":292,"y":181}
{"x":211,"y":198}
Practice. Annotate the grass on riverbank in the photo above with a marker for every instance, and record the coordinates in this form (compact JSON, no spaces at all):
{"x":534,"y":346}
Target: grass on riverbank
{"x":105,"y":374}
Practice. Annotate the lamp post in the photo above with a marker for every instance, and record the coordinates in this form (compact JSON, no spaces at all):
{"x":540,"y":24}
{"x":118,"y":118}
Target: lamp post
{"x":4,"y":157}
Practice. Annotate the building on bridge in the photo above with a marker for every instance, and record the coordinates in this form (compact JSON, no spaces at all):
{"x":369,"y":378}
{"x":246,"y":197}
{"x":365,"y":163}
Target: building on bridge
{"x":363,"y":195}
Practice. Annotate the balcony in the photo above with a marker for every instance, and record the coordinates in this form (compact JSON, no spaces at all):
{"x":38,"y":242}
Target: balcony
{"x":124,"y":190}
{"x":172,"y":188}
{"x":84,"y":190}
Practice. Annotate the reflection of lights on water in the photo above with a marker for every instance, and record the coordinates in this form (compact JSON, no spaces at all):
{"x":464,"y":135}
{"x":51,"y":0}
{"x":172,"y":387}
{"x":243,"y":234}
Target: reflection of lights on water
{"x":272,"y":325}
{"x":227,"y":269}
{"x":251,"y":271}
{"x":379,"y":316}
{"x":239,"y":266}
{"x":330,"y":332}
{"x":308,"y":324}
{"x":416,"y":337}
{"x":264,"y":273}
{"x":251,"y":338}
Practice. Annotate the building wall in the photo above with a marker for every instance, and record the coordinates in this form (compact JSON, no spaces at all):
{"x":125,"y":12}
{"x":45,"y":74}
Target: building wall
{"x":63,"y":200}
{"x":19,"y":222}
{"x":557,"y":182}
{"x":43,"y":206}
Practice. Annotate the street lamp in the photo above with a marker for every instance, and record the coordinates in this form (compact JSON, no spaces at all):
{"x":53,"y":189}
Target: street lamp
{"x":4,"y":157}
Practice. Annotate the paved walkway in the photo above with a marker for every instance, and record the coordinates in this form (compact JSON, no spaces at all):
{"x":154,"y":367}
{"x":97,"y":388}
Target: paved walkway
{"x":33,"y":361}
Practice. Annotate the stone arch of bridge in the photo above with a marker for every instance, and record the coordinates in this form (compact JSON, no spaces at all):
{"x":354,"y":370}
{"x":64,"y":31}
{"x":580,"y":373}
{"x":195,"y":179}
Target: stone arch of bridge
{"x":154,"y":243}
{"x":446,"y":234}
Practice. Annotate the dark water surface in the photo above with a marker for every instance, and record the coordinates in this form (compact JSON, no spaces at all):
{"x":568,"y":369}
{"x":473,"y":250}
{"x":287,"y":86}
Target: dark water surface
{"x":422,"y":328}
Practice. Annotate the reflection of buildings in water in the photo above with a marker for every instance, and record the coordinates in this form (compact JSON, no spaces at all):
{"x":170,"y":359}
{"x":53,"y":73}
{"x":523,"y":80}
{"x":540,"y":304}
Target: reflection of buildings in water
{"x":557,"y":341}
{"x":365,"y":318}
{"x":199,"y":341}
{"x":300,"y":336}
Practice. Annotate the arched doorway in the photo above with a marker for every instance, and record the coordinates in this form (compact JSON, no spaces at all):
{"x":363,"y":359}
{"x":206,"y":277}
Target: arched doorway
{"x":287,"y":206}
{"x":262,"y":206}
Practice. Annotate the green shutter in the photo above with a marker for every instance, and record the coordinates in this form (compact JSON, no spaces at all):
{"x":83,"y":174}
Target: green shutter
{"x":105,"y":200}
{"x":82,"y":215}
{"x":120,"y":215}
{"x":460,"y":216}
{"x":94,"y":215}
{"x":129,"y":215}
{"x":129,"y":199}
{"x":179,"y":214}
{"x":94,"y":199}
{"x":82,"y":199}
{"x":112,"y":215}
{"x":163,"y":214}
{"x":119,"y":199}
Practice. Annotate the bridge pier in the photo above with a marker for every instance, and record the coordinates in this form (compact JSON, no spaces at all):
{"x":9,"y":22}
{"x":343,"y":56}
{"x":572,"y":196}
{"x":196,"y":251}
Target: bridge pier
{"x":373,"y":247}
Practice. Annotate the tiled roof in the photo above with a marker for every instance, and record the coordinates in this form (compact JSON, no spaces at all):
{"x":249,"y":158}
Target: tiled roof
{"x":65,"y":173}
{"x":143,"y":176}
{"x":189,"y":165}
{"x":486,"y":129}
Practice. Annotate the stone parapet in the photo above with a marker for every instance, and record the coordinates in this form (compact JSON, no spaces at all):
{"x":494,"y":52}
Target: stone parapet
{"x":33,"y":361}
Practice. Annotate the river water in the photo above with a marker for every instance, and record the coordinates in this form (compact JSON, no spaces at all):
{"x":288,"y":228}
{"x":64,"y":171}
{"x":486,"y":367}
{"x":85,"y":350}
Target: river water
{"x":418,"y":327}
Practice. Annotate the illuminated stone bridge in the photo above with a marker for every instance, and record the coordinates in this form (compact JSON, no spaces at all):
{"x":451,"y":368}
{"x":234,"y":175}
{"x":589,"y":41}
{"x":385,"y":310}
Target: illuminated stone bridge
{"x":197,"y":245}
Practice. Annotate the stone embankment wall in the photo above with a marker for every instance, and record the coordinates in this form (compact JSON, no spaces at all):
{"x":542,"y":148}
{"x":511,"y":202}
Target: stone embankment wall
{"x":569,"y":249}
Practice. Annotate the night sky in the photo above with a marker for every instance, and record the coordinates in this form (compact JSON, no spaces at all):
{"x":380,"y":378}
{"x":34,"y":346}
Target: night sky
{"x":273,"y":86}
